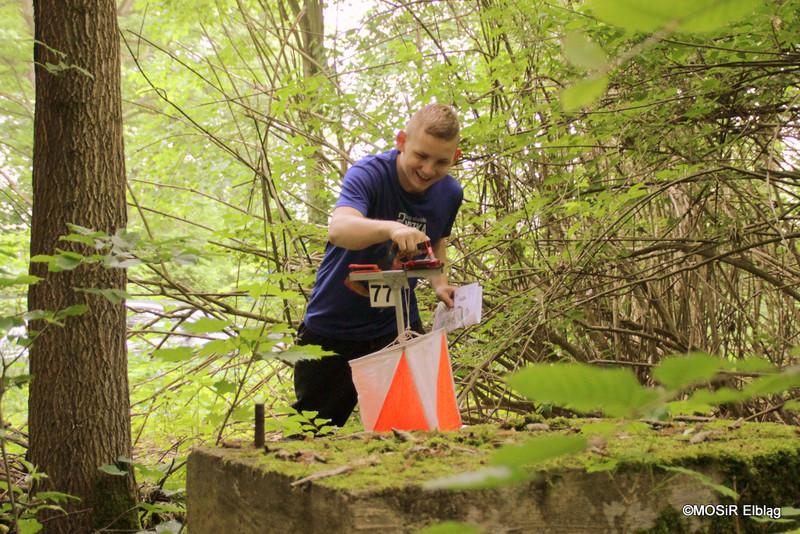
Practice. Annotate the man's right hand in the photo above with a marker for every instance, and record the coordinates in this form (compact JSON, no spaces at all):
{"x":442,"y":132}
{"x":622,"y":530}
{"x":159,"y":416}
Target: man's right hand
{"x":407,"y":238}
{"x":351,"y":230}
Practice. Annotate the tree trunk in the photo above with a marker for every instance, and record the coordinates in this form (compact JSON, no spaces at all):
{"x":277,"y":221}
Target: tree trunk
{"x":79,"y":405}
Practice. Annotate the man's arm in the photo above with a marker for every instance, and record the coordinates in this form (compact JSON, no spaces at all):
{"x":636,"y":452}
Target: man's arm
{"x":351,"y":230}
{"x":444,"y":291}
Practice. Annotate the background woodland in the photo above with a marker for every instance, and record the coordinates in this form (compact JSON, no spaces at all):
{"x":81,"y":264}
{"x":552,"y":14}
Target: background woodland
{"x":631,"y":190}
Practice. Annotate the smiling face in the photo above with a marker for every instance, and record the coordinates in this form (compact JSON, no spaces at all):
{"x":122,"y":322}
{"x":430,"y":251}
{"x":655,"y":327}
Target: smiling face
{"x":424,"y":159}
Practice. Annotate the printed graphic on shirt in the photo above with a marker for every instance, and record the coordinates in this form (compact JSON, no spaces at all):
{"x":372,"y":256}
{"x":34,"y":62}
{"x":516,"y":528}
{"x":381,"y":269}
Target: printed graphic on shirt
{"x":415,"y":222}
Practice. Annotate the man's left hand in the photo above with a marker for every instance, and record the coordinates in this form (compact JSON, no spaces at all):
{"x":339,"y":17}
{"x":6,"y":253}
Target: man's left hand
{"x":445,"y":293}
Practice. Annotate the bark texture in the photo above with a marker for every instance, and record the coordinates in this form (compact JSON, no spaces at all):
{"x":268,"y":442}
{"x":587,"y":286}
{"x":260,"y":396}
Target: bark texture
{"x":79,"y":404}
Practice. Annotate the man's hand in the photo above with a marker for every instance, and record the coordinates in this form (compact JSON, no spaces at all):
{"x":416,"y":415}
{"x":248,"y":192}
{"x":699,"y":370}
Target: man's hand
{"x":407,"y":238}
{"x":351,"y":230}
{"x":445,"y":293}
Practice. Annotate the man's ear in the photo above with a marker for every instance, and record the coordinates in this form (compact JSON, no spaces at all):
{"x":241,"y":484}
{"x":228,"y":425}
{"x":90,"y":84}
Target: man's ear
{"x":458,"y":155}
{"x":401,"y":140}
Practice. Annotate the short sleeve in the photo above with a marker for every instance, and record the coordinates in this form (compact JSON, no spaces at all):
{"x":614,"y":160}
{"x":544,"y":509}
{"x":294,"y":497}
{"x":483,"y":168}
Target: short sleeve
{"x":356,"y":191}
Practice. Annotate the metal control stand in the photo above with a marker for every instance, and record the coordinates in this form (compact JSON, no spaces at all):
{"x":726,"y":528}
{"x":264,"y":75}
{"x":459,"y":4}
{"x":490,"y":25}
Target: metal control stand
{"x":386,"y":288}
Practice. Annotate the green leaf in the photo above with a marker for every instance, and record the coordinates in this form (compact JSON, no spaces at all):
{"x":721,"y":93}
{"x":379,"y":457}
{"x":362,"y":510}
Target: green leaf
{"x":705,"y":480}
{"x":7,"y":323}
{"x":68,"y":261}
{"x":583,"y":388}
{"x":450,"y":527}
{"x":713,"y":15}
{"x":29,"y":526}
{"x":681,"y":15}
{"x":299,"y":352}
{"x":41,"y":258}
{"x":681,"y":371}
{"x":224,"y":386}
{"x":115,"y":296}
{"x":162,"y":508}
{"x":14,"y":487}
{"x":490,"y":477}
{"x":55,"y":496}
{"x":206,"y":325}
{"x":120,"y":262}
{"x":186,"y":259}
{"x":76,"y":309}
{"x":170,"y":527}
{"x":754,"y":364}
{"x":21,"y":280}
{"x":773,"y":384}
{"x":78,"y":238}
{"x":125,"y":240}
{"x":113,"y":470}
{"x":141,"y":468}
{"x":538,"y":449}
{"x":82,"y":230}
{"x":16,"y":381}
{"x":583,"y":52}
{"x":583,"y":92}
{"x":174,"y":354}
{"x":217,"y":346}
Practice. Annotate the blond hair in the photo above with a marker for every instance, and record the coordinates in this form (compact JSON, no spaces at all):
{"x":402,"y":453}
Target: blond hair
{"x":437,"y":120}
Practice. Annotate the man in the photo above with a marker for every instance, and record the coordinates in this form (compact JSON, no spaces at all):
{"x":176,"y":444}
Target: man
{"x":401,"y":198}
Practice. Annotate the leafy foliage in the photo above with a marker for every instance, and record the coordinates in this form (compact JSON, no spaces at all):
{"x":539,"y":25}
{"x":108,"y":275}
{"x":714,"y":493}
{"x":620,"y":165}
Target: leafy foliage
{"x":631,"y":185}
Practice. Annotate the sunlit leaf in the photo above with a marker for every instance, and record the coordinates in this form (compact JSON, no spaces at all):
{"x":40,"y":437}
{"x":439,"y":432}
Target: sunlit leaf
{"x":583,"y":52}
{"x":681,"y":371}
{"x":41,"y":258}
{"x":583,"y":92}
{"x":217,"y":346}
{"x":121,"y":262}
{"x":224,"y":386}
{"x":773,"y":384}
{"x":115,"y":296}
{"x":55,"y":496}
{"x":679,"y":15}
{"x":303,"y":352}
{"x":82,"y":230}
{"x":113,"y":470}
{"x":538,"y":449}
{"x":451,"y":527}
{"x":583,"y":388}
{"x":705,"y":480}
{"x":76,"y":309}
{"x":29,"y":526}
{"x":17,"y":381}
{"x":23,"y":279}
{"x":186,"y":259}
{"x":169,"y":527}
{"x":7,"y":323}
{"x":490,"y":477}
{"x":754,"y":365}
{"x":174,"y":354}
{"x":68,"y":260}
{"x":206,"y":325}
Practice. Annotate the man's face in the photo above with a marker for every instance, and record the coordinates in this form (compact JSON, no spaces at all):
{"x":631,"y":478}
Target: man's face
{"x":424,"y":160}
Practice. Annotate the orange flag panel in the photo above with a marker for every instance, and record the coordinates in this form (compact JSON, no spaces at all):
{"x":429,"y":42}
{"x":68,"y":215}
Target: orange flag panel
{"x":446,"y":408}
{"x":402,"y":408}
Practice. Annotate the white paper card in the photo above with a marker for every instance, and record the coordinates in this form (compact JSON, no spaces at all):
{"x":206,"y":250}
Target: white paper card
{"x":465,"y":312}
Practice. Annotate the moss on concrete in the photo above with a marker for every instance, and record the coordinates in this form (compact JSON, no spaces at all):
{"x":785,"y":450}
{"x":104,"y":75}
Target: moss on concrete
{"x":760,"y":461}
{"x":743,"y":452}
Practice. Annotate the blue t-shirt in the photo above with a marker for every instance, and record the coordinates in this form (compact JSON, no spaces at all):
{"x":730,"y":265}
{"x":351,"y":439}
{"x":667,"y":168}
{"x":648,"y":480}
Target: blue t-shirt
{"x":372,"y":187}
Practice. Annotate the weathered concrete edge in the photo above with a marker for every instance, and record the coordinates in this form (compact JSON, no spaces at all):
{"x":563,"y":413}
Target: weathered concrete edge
{"x":228,"y":491}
